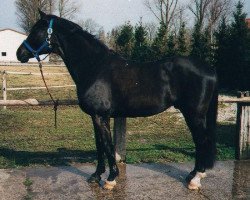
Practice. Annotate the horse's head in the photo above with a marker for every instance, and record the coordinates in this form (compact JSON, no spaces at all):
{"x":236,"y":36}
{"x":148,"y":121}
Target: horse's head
{"x":39,"y":40}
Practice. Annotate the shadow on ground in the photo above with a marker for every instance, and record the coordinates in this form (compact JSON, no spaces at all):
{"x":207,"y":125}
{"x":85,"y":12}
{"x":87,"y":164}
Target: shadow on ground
{"x":61,"y":157}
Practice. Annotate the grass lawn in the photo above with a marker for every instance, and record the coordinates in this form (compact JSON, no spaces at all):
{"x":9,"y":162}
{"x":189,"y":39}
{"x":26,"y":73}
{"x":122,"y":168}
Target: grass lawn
{"x":28,"y":137}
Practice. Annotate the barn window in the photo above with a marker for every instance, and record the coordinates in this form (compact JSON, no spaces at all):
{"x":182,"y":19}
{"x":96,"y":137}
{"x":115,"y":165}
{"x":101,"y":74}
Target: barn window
{"x":4,"y":54}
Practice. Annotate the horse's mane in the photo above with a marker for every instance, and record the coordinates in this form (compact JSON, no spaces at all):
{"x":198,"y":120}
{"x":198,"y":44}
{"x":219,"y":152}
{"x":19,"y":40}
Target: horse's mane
{"x":79,"y":30}
{"x":93,"y":39}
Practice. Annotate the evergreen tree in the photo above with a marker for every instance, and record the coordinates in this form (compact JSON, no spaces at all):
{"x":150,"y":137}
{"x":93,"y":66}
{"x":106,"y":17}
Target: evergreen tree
{"x":171,"y":51}
{"x":248,"y":56}
{"x":181,"y":41}
{"x":222,"y":54}
{"x":200,"y":48}
{"x":141,"y":50}
{"x":159,"y":45}
{"x":125,"y":40}
{"x":238,"y":49}
{"x":140,"y":35}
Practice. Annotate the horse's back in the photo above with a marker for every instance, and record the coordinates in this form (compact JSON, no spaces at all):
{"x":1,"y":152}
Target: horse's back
{"x":194,"y":66}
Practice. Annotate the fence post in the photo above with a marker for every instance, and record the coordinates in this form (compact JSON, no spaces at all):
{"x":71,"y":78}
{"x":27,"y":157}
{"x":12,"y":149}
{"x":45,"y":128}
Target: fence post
{"x":243,"y":129}
{"x":120,"y":139}
{"x":4,"y":88}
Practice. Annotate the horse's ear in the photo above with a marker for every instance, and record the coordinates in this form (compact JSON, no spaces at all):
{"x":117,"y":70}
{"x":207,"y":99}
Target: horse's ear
{"x":42,"y":14}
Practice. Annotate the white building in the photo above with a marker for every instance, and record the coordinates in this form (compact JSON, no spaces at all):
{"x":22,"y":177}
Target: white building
{"x":10,"y":40}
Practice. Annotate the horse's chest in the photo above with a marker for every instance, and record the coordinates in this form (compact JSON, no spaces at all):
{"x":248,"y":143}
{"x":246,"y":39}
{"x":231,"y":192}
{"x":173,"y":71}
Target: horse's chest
{"x":96,"y":98}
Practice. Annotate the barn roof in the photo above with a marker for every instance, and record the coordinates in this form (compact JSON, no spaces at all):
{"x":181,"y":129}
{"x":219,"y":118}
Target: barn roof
{"x":248,"y":22}
{"x":9,"y":29}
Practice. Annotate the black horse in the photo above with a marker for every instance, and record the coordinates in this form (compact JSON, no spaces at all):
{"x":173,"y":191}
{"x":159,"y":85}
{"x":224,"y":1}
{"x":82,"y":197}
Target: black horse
{"x":111,"y":86}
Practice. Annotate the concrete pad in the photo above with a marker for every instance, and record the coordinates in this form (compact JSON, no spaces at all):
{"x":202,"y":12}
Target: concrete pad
{"x":11,"y":184}
{"x":228,"y":180}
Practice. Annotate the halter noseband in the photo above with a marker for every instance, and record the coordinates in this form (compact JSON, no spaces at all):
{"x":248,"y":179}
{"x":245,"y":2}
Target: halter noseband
{"x":46,"y":44}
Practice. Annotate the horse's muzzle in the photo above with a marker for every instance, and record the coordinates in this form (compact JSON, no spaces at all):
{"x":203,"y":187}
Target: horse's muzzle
{"x":22,"y":54}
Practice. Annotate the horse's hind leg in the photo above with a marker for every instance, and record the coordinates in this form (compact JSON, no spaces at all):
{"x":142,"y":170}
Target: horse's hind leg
{"x":103,"y":125}
{"x":197,"y":125}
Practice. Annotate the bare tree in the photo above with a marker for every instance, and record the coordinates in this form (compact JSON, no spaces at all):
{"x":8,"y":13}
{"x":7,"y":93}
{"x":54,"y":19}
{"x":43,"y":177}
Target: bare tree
{"x":207,"y":13}
{"x":151,"y":28}
{"x":68,"y":8}
{"x":199,"y":8}
{"x":90,"y":25}
{"x":51,"y":4}
{"x":111,"y":38}
{"x":217,"y":9}
{"x":164,"y":11}
{"x":179,"y":19}
{"x":27,"y":12}
{"x":101,"y":35}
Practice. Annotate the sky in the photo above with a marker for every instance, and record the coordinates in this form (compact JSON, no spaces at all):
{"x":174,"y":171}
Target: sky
{"x":107,"y":13}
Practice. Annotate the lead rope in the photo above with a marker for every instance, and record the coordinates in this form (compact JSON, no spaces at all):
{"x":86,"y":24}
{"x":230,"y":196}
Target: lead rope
{"x":55,"y":102}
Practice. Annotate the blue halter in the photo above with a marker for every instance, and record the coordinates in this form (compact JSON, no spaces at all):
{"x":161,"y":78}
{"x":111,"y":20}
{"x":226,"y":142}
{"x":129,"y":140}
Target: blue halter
{"x":46,"y":44}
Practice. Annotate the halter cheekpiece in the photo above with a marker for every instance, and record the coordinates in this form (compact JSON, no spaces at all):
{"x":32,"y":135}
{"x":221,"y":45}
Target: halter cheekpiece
{"x":45,"y":45}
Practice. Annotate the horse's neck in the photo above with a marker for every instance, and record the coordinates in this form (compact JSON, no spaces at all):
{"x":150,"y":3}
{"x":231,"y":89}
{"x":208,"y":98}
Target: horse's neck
{"x":80,"y":56}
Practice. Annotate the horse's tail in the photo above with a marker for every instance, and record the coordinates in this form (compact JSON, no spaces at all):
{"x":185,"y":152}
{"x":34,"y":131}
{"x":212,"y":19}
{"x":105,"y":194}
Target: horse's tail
{"x":211,"y":122}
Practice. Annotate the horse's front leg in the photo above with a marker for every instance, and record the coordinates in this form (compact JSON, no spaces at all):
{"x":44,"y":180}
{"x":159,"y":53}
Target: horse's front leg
{"x":106,"y":139}
{"x":100,"y":169}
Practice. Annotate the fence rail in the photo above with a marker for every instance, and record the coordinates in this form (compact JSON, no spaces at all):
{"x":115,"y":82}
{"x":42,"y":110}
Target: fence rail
{"x":31,"y":64}
{"x":34,"y":102}
{"x":38,"y":88}
{"x":31,"y":73}
{"x":6,"y":102}
{"x":235,"y":100}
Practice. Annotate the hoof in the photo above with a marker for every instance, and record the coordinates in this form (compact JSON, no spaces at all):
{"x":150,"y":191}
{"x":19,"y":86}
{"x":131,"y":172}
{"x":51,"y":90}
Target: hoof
{"x":109,"y":185}
{"x":194,"y":186}
{"x":202,"y":175}
{"x":195,"y":183}
{"x":94,"y":179}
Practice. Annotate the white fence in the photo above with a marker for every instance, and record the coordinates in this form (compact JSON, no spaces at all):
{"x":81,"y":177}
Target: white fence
{"x":22,"y":102}
{"x":32,"y":64}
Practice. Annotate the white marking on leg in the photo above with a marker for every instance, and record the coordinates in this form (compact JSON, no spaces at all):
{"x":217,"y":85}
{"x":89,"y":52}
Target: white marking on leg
{"x":109,"y":185}
{"x":117,"y":157}
{"x":195,"y":183}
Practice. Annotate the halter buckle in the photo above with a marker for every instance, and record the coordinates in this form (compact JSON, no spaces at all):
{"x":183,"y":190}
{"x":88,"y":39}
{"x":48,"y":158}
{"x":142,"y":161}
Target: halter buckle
{"x":50,"y":31}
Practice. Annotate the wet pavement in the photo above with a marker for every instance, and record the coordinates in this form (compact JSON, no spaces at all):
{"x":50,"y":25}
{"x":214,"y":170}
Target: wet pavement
{"x":228,"y":180}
